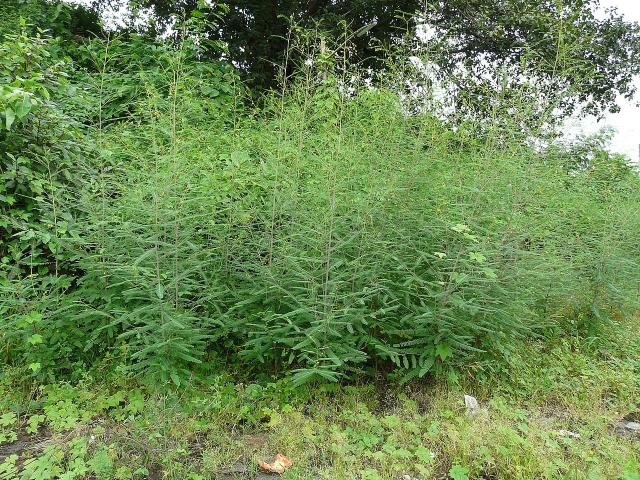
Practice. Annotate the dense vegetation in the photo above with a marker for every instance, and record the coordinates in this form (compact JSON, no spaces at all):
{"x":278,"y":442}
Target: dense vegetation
{"x":160,"y":227}
{"x":152,"y":216}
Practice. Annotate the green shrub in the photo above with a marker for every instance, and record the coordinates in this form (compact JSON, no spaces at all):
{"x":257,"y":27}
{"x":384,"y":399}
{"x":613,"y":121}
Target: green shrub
{"x":326,"y":230}
{"x":42,"y":164}
{"x":332,"y":232}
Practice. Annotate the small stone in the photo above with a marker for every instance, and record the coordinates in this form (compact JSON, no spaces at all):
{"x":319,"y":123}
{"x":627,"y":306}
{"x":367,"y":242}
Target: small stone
{"x":627,"y":428}
{"x":472,"y":405}
{"x":633,"y":426}
{"x":406,"y":477}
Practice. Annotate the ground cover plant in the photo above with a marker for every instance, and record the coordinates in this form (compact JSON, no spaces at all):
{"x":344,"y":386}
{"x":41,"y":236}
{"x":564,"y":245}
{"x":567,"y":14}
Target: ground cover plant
{"x":206,"y":278}
{"x":552,"y":411}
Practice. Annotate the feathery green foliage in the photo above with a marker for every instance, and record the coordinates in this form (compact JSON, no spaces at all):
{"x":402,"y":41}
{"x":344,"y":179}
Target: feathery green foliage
{"x":334,"y":230}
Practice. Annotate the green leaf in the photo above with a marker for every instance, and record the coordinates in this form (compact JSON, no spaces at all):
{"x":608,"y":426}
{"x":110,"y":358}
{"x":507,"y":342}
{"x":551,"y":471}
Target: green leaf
{"x":490,"y":273}
{"x":443,"y":350}
{"x":35,"y":366}
{"x":428,"y":363}
{"x":8,"y":419}
{"x":33,"y":317}
{"x":23,"y":108}
{"x":630,"y":474}
{"x":56,"y":14}
{"x":458,"y":472}
{"x":370,"y":474}
{"x":35,"y":339}
{"x":10,"y":116}
{"x":424,"y":455}
{"x":477,"y":257}
{"x":460,"y":228}
{"x":239,"y":156}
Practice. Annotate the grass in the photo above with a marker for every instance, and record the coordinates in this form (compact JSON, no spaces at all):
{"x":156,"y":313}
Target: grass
{"x":549,"y":411}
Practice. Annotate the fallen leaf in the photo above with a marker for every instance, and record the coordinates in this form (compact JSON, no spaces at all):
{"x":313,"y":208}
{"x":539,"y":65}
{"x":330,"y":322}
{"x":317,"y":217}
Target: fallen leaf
{"x":278,"y":465}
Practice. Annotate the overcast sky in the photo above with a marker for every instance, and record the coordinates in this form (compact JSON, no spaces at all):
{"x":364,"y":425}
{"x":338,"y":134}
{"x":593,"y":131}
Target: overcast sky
{"x":627,"y":122}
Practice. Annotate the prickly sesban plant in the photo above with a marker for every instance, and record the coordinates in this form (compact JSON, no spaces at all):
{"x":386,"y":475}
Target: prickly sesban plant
{"x":388,"y":237}
{"x":326,"y":230}
{"x":148,"y":250}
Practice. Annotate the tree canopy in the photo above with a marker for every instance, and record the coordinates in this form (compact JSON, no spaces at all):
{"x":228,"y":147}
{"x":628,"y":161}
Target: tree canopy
{"x":556,"y":45}
{"x":471,"y":39}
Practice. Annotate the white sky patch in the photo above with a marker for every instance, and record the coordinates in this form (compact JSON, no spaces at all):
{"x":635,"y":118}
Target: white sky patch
{"x":425,"y":32}
{"x":113,"y":18}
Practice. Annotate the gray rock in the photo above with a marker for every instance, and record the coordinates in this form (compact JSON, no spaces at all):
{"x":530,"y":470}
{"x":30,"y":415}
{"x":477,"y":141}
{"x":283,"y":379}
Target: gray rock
{"x":632,"y":426}
{"x":627,"y":428}
{"x":235,"y":468}
{"x":472,"y":405}
{"x":267,"y":476}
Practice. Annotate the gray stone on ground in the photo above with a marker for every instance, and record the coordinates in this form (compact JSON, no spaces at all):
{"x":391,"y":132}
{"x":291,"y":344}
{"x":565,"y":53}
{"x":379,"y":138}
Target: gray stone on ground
{"x":626,"y":427}
{"x":472,"y":405}
{"x":633,"y":426}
